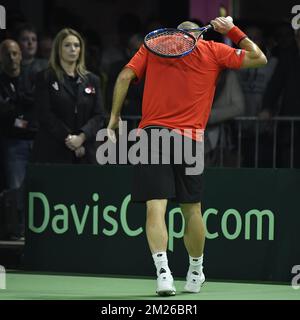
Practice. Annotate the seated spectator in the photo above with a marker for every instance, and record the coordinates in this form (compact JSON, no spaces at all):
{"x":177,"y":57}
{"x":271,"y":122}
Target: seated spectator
{"x":69,"y":105}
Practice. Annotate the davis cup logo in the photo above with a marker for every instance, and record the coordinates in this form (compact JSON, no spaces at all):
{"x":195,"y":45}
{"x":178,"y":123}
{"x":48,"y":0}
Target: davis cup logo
{"x":2,"y":17}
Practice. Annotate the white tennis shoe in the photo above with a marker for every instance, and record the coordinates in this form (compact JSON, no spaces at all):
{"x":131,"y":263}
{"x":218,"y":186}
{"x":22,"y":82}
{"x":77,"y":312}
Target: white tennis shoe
{"x":165,"y":284}
{"x":194,"y":282}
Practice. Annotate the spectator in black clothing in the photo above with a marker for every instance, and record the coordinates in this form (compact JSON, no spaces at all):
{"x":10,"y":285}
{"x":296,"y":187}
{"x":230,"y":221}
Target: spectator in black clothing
{"x":284,"y":38}
{"x":254,"y":83}
{"x":45,"y":46}
{"x":69,"y":104}
{"x":94,"y":55}
{"x":26,"y":36}
{"x":16,"y":120}
{"x":282,"y":99}
{"x":133,"y":102}
{"x":127,"y":25}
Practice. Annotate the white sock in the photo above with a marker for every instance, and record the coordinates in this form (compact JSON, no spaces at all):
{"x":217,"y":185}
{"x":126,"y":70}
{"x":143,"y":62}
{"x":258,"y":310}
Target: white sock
{"x":196,"y":264}
{"x":161,"y":262}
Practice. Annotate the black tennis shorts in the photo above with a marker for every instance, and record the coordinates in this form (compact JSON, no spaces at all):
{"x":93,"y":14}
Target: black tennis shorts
{"x":167,"y":181}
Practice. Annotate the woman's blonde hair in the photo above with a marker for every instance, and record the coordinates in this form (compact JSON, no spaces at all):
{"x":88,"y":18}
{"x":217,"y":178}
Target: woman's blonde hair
{"x":54,"y":62}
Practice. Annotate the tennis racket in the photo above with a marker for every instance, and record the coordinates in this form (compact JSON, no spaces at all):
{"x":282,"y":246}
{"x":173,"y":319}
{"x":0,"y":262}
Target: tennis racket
{"x":173,"y":43}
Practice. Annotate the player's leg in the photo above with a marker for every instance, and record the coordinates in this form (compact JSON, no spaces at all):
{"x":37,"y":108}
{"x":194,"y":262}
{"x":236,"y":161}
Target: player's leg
{"x":156,"y":229}
{"x":194,"y":239}
{"x":157,"y":236}
{"x":194,"y":233}
{"x":188,"y":180}
{"x":153,"y":184}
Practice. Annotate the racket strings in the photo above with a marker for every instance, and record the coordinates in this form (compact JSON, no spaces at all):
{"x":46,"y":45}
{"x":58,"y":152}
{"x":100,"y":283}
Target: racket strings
{"x":171,"y":43}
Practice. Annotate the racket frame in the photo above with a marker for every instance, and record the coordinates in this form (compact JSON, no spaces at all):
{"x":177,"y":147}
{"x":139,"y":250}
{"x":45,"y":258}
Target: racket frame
{"x":163,"y":30}
{"x":186,"y":32}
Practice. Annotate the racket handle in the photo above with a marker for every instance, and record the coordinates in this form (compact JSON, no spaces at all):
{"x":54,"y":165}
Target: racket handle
{"x":209,"y":27}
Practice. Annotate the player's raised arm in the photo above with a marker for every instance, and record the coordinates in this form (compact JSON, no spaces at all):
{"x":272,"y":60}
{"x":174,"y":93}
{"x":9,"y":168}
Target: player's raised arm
{"x":254,"y":57}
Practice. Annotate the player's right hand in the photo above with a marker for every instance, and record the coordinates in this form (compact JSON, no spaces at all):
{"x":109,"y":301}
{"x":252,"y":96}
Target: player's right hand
{"x":222,"y":25}
{"x":114,"y":123}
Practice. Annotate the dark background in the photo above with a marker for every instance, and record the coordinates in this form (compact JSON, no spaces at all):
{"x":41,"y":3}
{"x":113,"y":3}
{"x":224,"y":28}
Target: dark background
{"x":102,"y":16}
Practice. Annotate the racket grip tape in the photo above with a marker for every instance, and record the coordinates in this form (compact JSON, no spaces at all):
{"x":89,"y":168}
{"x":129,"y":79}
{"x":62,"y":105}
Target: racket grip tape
{"x":236,"y":35}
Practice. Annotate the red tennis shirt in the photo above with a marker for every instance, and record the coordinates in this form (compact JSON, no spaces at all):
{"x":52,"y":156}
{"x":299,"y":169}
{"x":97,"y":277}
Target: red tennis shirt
{"x":178,"y":92}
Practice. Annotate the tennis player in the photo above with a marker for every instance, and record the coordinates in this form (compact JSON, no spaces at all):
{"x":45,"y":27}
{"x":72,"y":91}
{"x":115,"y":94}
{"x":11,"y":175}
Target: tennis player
{"x":178,"y":94}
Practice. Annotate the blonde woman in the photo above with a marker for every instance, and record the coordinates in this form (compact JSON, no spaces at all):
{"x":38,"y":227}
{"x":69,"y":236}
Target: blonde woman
{"x":69,"y":105}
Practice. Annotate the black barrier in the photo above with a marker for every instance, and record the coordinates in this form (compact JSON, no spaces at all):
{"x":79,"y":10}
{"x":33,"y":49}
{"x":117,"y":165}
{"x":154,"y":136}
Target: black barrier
{"x":81,"y":219}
